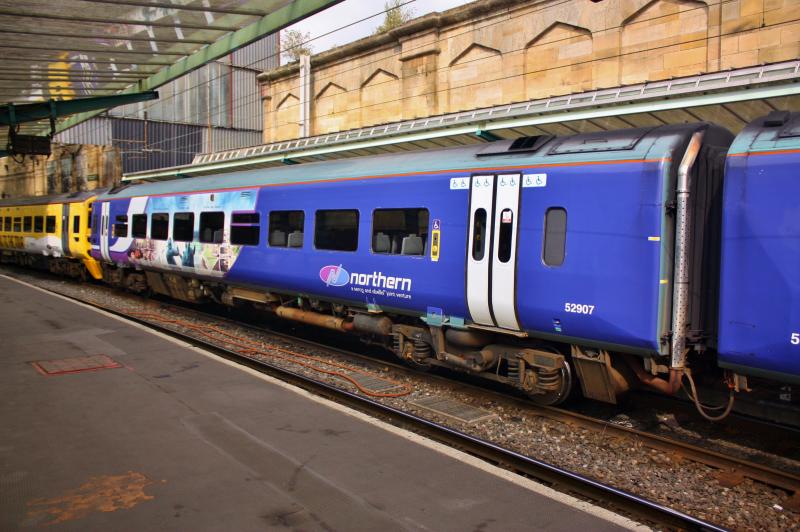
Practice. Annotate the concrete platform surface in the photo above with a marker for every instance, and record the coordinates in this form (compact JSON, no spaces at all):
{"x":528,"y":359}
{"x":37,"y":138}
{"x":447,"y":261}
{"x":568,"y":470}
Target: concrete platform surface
{"x":176,"y":439}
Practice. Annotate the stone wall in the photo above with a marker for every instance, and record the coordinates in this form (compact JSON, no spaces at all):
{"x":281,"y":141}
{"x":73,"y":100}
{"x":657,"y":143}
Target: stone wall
{"x":492,"y":52}
{"x":69,"y":168}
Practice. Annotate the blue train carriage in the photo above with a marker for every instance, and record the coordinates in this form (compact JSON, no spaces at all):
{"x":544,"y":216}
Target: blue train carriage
{"x":504,"y":259}
{"x":759,"y":327}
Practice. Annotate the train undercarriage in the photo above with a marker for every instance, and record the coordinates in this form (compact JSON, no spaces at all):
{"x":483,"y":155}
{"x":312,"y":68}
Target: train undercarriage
{"x":547,"y":372}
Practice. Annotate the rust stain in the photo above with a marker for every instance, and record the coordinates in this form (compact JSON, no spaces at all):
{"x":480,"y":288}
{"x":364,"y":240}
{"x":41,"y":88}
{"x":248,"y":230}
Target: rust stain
{"x":99,"y":494}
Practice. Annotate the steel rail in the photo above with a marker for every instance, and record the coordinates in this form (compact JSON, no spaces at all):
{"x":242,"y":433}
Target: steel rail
{"x":556,"y":477}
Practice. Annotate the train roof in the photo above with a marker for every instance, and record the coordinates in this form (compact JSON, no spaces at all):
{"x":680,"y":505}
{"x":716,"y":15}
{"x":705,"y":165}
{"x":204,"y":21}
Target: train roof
{"x":70,"y":197}
{"x":606,"y":146}
{"x":778,"y":131}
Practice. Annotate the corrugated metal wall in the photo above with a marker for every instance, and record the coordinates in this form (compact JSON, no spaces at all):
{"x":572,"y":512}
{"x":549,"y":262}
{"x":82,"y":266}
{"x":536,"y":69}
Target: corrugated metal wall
{"x":95,"y":131}
{"x":146,"y":145}
{"x":226,"y":89}
{"x":217,"y":107}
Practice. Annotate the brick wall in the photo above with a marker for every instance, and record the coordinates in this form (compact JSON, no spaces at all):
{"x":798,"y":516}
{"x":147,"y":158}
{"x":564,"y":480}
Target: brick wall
{"x":502,"y":51}
{"x":69,"y":168}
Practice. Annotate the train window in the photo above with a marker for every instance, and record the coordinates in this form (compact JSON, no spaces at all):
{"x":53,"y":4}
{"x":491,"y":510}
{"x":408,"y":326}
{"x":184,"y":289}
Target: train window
{"x":479,"y":234}
{"x":286,"y":229}
{"x":139,"y":226}
{"x":183,"y":227}
{"x":400,"y":231}
{"x":555,"y":236}
{"x":76,"y":224}
{"x":245,"y":228}
{"x":50,"y":224}
{"x":7,"y":224}
{"x":38,"y":224}
{"x":336,"y":230}
{"x":17,"y":225}
{"x":159,"y":226}
{"x":211,"y":227}
{"x":120,"y":225}
{"x":27,"y":224}
{"x":506,"y":235}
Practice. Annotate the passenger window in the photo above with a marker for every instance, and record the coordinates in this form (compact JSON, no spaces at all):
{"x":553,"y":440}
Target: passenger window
{"x":38,"y":224}
{"x":50,"y":224}
{"x":17,"y":225}
{"x":245,"y":228}
{"x":120,"y":226}
{"x":506,"y":235}
{"x":27,"y":224}
{"x":555,"y":236}
{"x":183,"y":227}
{"x":286,"y":229}
{"x":479,"y":234}
{"x":211,"y":227}
{"x":336,"y":230}
{"x":139,"y":226}
{"x":400,"y":231}
{"x":159,"y":226}
{"x":76,"y":223}
{"x":7,"y":224}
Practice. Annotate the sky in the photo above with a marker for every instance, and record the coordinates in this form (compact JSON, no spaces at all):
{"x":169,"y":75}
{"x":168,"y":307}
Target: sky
{"x":350,"y":11}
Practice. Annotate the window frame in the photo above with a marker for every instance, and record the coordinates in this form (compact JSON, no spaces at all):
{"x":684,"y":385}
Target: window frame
{"x":27,"y":224}
{"x":17,"y":224}
{"x":357,"y":229}
{"x":161,"y":216}
{"x":48,"y":228}
{"x":545,"y":238}
{"x":288,"y":212}
{"x":484,"y":234}
{"x":174,"y":226}
{"x":134,"y":219}
{"x":201,"y":227}
{"x":38,"y":224}
{"x":426,"y":235}
{"x":239,"y":225}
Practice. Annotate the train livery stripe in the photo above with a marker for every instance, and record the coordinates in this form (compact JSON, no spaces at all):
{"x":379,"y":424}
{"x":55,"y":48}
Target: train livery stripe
{"x":770,"y":152}
{"x":408,"y":174}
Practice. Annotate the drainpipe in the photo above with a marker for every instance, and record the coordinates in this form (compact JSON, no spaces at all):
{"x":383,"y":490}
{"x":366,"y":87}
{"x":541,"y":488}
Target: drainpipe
{"x":305,"y":96}
{"x":680,"y":295}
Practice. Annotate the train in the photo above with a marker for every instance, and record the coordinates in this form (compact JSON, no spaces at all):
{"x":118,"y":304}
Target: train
{"x":560,"y":265}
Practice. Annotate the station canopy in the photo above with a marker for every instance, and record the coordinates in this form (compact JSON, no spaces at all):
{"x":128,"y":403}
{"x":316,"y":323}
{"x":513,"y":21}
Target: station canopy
{"x":730,"y":98}
{"x":73,"y":49}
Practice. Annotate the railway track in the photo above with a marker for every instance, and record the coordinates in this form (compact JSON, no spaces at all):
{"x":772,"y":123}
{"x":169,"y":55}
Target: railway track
{"x":641,"y":508}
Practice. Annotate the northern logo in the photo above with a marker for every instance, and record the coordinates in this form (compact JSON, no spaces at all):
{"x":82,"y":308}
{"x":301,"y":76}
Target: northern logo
{"x":333,"y":275}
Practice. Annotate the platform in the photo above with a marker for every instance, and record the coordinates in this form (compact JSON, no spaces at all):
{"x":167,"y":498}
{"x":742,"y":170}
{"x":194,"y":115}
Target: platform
{"x":163,"y":436}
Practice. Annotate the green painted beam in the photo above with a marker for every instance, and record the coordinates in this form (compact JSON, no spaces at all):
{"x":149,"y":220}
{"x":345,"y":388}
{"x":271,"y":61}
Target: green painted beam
{"x":31,"y":112}
{"x":285,"y":16}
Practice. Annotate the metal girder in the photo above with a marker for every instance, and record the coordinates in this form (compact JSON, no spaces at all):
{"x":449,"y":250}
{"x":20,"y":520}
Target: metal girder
{"x":561,"y":116}
{"x":43,"y":110}
{"x":179,"y":7}
{"x":121,"y":21}
{"x":90,"y":36}
{"x":270,"y":23}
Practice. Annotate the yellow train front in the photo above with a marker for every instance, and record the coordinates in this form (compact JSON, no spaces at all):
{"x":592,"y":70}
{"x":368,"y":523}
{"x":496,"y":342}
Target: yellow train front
{"x":50,"y":232}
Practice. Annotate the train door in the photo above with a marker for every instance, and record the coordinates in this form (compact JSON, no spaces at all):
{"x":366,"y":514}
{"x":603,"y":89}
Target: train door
{"x":65,"y":248}
{"x":104,"y":227}
{"x":492,"y":250}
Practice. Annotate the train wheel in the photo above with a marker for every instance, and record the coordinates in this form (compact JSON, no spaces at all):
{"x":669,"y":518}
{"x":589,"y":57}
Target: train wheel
{"x":561,"y":379}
